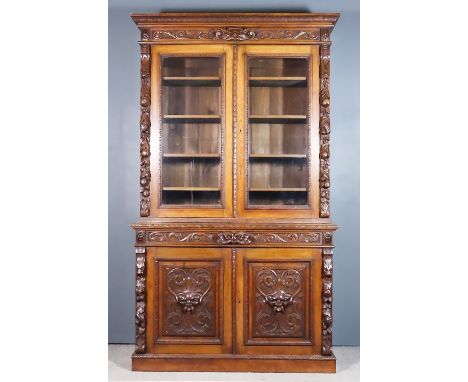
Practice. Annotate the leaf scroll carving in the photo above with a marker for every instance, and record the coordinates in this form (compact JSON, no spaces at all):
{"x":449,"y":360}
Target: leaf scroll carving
{"x":234,"y":238}
{"x":231,"y":34}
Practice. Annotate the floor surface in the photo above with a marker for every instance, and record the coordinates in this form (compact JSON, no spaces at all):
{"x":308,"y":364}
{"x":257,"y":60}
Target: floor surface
{"x":347,"y":370}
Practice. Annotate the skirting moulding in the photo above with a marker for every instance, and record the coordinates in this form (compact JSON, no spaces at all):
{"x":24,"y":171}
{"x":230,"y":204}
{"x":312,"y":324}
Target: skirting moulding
{"x":234,"y":245}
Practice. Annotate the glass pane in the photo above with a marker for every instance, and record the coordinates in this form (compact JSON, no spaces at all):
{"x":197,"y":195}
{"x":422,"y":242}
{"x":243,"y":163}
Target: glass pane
{"x":191,"y":130}
{"x":278,"y":131}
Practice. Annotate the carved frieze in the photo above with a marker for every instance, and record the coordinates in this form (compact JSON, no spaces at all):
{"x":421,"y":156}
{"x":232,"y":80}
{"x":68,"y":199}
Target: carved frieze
{"x":230,"y":34}
{"x":327,"y":299}
{"x":279,"y":302}
{"x":145,"y":128}
{"x":140,"y":293}
{"x":234,"y":238}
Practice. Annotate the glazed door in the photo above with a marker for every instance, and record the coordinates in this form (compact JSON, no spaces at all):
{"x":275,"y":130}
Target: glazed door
{"x":278,"y":139}
{"x":278,"y":301}
{"x":189,"y":300}
{"x":191,"y":142}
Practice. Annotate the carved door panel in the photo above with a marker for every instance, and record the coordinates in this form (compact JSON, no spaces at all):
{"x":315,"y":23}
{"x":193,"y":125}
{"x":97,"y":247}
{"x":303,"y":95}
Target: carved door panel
{"x":278,"y":301}
{"x":190,"y":300}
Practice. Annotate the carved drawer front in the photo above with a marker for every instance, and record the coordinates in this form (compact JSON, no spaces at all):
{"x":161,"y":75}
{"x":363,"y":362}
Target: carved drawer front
{"x":278,"y":301}
{"x":189,"y":300}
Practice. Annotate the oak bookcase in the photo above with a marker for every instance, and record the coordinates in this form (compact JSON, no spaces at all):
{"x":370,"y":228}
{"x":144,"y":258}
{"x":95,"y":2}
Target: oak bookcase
{"x":234,"y":244}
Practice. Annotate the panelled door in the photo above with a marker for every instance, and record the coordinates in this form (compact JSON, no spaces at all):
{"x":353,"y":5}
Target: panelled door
{"x":191,"y":132}
{"x":278,"y":301}
{"x":278,"y":116}
{"x":189,"y":300}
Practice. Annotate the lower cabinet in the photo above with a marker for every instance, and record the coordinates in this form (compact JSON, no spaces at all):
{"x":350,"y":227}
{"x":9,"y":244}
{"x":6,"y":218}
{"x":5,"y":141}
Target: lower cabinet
{"x":189,"y":300}
{"x":233,"y":301}
{"x":278,"y":303}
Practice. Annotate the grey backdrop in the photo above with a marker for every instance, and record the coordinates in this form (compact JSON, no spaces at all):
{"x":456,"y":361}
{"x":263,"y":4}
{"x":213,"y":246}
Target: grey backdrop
{"x":124,"y":152}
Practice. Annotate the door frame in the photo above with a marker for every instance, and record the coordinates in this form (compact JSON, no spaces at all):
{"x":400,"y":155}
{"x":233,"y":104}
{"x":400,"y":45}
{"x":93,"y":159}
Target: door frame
{"x":157,"y":208}
{"x":312,"y":52}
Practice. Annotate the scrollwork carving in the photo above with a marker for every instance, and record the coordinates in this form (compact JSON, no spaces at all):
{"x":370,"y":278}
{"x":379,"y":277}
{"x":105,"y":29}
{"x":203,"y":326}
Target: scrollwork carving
{"x":327,"y":300}
{"x":238,"y":34}
{"x":140,"y":308}
{"x":231,"y":34}
{"x":279,"y":302}
{"x":190,"y":307}
{"x":145,"y":129}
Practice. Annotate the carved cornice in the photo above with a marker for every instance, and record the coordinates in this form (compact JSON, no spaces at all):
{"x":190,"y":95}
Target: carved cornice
{"x":324,"y":127}
{"x":309,"y":19}
{"x":140,"y":308}
{"x":233,"y":238}
{"x":327,"y":299}
{"x":145,"y":130}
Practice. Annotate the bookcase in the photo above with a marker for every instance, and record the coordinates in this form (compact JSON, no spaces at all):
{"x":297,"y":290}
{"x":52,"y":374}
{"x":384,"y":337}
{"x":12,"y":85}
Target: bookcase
{"x":234,"y":241}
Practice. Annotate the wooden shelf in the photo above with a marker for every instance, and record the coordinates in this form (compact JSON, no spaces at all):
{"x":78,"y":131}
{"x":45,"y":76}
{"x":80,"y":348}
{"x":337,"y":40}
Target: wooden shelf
{"x":271,"y":117}
{"x":281,"y":189}
{"x":187,"y":155}
{"x":278,"y":81}
{"x":193,"y":117}
{"x":192,"y":81}
{"x":286,"y":156}
{"x":191,"y":189}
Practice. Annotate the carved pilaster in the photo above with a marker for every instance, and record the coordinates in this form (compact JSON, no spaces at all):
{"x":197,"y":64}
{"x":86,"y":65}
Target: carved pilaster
{"x":327,"y":299}
{"x":145,"y":130}
{"x":140,"y":294}
{"x":324,"y":127}
{"x":234,"y":126}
